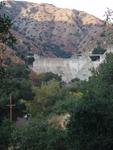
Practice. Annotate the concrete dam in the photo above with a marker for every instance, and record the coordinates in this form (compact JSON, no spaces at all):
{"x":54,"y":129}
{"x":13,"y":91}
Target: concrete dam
{"x":68,"y":68}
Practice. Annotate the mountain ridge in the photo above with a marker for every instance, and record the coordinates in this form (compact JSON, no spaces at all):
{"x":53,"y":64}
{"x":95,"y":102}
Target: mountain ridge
{"x":56,"y":32}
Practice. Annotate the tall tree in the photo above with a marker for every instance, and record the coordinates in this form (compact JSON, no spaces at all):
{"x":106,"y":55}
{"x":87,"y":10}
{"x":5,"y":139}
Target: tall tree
{"x":5,"y":35}
{"x":10,"y":83}
{"x":91,"y":122}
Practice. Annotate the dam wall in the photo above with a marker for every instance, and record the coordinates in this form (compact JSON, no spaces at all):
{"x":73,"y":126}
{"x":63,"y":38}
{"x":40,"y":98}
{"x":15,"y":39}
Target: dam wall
{"x":75,"y":67}
{"x":67,"y":68}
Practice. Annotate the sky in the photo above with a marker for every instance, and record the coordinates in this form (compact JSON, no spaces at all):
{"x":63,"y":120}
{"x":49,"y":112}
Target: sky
{"x":94,"y":7}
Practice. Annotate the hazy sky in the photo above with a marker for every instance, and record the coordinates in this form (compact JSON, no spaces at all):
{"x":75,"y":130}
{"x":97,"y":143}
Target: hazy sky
{"x":95,"y":7}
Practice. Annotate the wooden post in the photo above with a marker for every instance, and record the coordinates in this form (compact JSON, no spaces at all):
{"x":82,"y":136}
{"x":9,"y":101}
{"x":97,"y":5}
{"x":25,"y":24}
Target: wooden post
{"x":10,"y":107}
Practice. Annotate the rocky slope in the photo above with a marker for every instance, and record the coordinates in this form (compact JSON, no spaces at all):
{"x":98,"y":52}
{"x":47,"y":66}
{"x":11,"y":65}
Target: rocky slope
{"x":51,"y":31}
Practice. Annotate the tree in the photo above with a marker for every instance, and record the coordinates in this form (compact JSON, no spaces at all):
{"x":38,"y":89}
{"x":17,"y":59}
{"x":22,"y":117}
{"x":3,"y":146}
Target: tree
{"x":6,"y":130}
{"x":108,"y":15}
{"x":98,"y":50}
{"x":38,"y":135}
{"x":44,"y":77}
{"x":13,"y":79}
{"x":19,"y":86}
{"x":91,"y":125}
{"x":45,"y":97}
{"x":6,"y":36}
{"x":91,"y":122}
{"x":18,"y":71}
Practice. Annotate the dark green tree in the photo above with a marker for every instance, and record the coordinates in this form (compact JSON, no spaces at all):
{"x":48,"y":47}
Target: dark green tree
{"x":91,"y":125}
{"x":91,"y":122}
{"x":6,"y":37}
{"x":38,"y":135}
{"x":18,"y":85}
{"x":6,"y":130}
{"x":98,"y":50}
{"x":13,"y":79}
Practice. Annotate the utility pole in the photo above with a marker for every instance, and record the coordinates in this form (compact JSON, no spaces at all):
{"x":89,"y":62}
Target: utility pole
{"x":10,"y":107}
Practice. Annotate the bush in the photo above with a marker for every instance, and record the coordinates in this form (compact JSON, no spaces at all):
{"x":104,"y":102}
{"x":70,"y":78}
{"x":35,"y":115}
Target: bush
{"x":56,"y":50}
{"x":98,"y":50}
{"x":38,"y":135}
{"x":91,"y":125}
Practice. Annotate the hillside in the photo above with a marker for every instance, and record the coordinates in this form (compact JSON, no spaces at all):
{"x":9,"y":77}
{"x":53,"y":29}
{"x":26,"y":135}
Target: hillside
{"x":51,"y":31}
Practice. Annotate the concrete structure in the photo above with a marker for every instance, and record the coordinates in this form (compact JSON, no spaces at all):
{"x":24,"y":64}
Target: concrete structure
{"x":68,"y":68}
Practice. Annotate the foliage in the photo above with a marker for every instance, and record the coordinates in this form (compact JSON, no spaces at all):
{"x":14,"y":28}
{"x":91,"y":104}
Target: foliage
{"x":38,"y":135}
{"x":98,"y":50}
{"x":89,"y":103}
{"x":91,"y":122}
{"x":91,"y":125}
{"x":69,"y":95}
{"x":6,"y":129}
{"x":19,"y":71}
{"x":108,"y":16}
{"x":56,"y":50}
{"x":64,"y":105}
{"x":45,"y":97}
{"x":17,"y":84}
{"x":45,"y":77}
{"x":101,"y":83}
{"x":5,"y":24}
